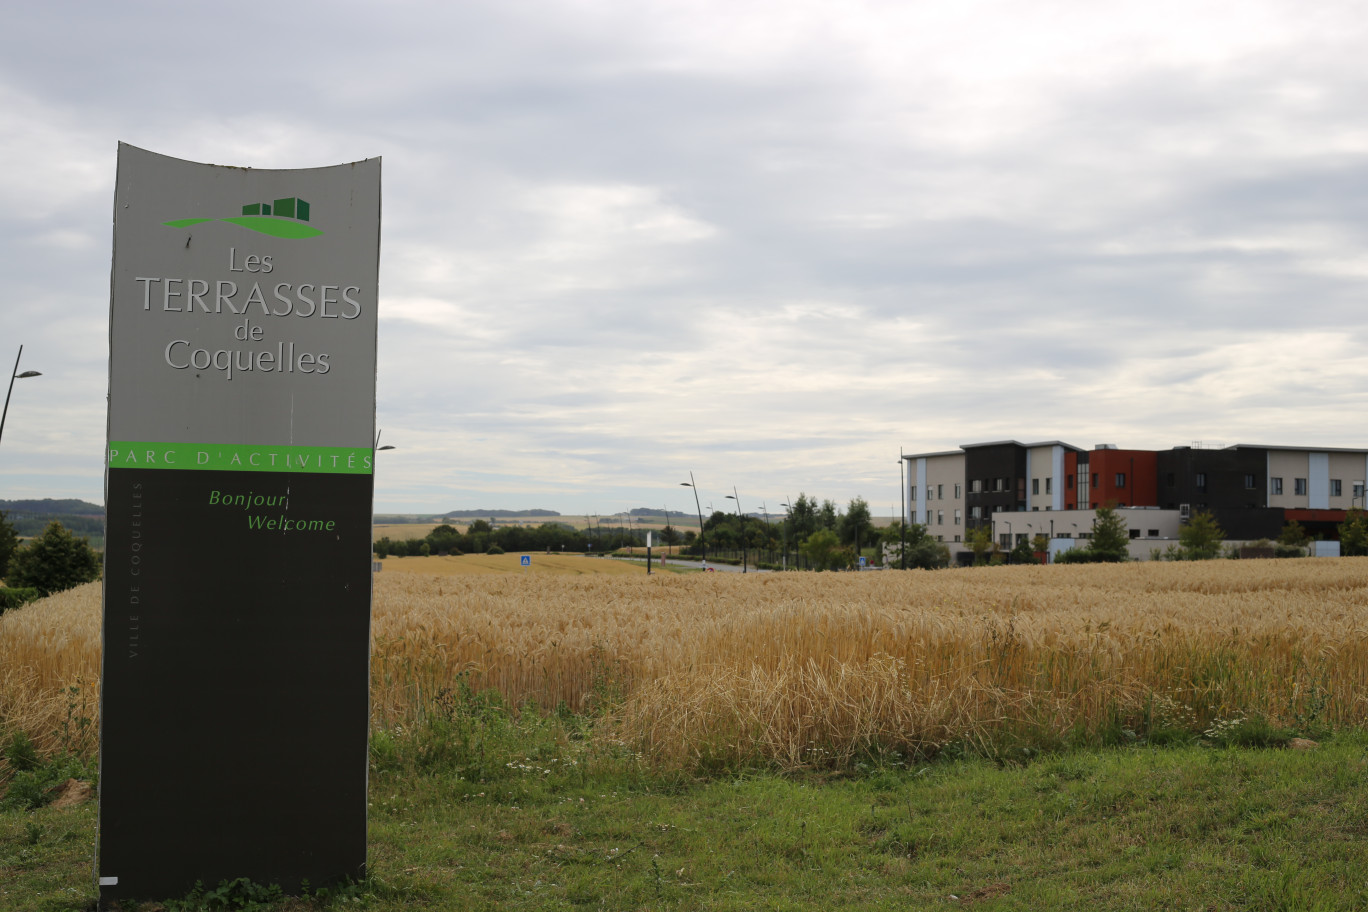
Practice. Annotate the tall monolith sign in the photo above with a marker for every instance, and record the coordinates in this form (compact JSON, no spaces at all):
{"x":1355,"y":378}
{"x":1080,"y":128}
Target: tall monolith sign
{"x":238,"y":490}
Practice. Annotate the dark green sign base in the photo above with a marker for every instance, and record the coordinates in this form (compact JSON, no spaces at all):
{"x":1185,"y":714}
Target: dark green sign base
{"x":235,"y":697}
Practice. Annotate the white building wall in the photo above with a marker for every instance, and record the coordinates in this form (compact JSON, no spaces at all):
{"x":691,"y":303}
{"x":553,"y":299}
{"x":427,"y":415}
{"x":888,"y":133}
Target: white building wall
{"x":935,"y":496}
{"x":1289,"y":465}
{"x":945,"y":500}
{"x":1045,"y":478}
{"x":1153,"y":525}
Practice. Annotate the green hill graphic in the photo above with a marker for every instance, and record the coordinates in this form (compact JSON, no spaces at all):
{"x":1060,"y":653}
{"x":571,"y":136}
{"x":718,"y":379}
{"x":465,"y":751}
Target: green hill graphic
{"x":289,"y":219}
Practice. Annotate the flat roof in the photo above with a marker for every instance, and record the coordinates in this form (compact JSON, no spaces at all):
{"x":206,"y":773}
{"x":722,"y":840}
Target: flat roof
{"x":1305,"y":449}
{"x":1038,"y":443}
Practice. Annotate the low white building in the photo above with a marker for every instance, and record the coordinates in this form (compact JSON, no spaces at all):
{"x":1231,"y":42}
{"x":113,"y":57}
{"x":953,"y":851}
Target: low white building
{"x":1148,"y":527}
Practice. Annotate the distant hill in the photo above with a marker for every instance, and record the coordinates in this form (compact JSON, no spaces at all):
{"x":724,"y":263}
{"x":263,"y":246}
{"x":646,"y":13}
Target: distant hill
{"x":49,"y":507}
{"x":80,"y":517}
{"x":495,"y":514}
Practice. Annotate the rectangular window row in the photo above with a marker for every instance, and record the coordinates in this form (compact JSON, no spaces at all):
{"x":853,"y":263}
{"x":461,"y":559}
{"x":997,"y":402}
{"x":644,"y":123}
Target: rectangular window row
{"x":938,"y":493}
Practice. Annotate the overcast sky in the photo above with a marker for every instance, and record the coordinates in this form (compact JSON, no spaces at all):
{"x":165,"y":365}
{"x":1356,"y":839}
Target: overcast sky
{"x":771,"y":243}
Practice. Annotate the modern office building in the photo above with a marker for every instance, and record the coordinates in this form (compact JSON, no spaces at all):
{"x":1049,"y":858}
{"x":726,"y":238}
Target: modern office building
{"x":1252,"y":490}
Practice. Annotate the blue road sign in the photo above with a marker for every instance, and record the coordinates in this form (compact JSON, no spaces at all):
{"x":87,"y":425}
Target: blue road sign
{"x":526,"y":560}
{"x":862,"y":561}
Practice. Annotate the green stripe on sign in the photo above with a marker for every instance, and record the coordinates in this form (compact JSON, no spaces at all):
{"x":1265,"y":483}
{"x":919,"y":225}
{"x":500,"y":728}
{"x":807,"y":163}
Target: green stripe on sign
{"x":231,"y":457}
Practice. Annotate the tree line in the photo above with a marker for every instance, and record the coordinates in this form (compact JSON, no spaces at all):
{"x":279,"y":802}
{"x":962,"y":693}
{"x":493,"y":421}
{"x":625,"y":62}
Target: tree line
{"x":481,"y":537}
{"x":53,"y":561}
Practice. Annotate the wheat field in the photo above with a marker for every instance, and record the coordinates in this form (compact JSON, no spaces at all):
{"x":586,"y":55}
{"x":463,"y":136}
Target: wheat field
{"x":807,"y":669}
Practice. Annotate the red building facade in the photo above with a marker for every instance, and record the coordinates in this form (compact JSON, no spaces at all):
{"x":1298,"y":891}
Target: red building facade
{"x":1106,"y":476}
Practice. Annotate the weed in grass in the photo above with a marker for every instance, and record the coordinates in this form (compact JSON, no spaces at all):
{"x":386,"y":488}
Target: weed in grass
{"x":1246,"y":731}
{"x":238,"y":894}
{"x":32,"y":787}
{"x":20,"y":753}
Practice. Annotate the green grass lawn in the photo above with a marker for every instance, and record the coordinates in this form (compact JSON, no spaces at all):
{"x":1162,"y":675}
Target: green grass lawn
{"x":496,"y":813}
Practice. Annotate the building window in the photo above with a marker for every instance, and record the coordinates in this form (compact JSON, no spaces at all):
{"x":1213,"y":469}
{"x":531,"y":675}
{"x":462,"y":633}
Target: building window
{"x":975,"y":486}
{"x":1249,"y":482}
{"x":1299,"y":487}
{"x":912,"y":496}
{"x":1275,"y":485}
{"x":940,"y":517}
{"x":1005,"y":539}
{"x":1335,"y":489}
{"x":1201,"y":482}
{"x":976,"y":513}
{"x":1152,"y":533}
{"x":959,"y":491}
{"x":999,"y":484}
{"x":1094,"y":479}
{"x":940,"y":492}
{"x":1120,"y":479}
{"x":956,"y":538}
{"x":1358,"y":489}
{"x":1035,"y":485}
{"x":958,"y":516}
{"x":1068,"y":481}
{"x":1134,"y":533}
{"x":1049,"y":487}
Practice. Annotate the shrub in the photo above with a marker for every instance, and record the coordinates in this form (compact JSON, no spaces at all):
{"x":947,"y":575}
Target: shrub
{"x":495,"y":549}
{"x":1201,"y":537}
{"x":1089,"y":556}
{"x":53,"y":562}
{"x":15,"y":597}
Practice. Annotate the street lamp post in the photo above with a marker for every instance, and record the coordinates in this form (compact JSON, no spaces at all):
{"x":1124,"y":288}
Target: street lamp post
{"x":769,"y":549}
{"x":736,"y":497}
{"x":702,"y":538}
{"x":14,"y":375}
{"x":376,"y":449}
{"x":788,"y":521}
{"x":902,"y":500}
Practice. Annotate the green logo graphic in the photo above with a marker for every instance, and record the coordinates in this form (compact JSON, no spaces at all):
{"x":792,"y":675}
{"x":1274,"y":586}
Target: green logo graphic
{"x":285,"y":218}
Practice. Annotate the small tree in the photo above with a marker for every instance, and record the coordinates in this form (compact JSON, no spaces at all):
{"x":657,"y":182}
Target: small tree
{"x":1023,"y":552}
{"x":1110,"y":536}
{"x":856,"y":525}
{"x":1294,"y":535}
{"x":821,"y":549}
{"x":981,"y":543}
{"x":54,"y":561}
{"x":923,"y":551}
{"x":1201,"y":538}
{"x":1354,"y":533}
{"x":827,"y":517}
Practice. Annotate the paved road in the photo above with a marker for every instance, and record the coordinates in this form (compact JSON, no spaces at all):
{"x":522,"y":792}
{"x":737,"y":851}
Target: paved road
{"x":680,"y":562}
